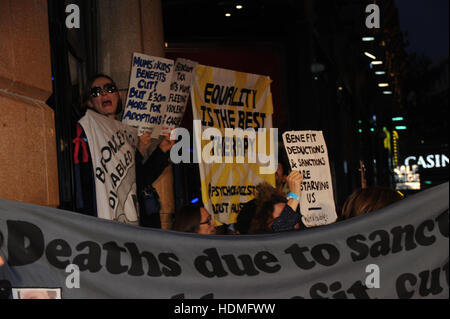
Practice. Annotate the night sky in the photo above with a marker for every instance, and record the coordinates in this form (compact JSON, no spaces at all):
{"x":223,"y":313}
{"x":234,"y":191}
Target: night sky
{"x":427,"y":26}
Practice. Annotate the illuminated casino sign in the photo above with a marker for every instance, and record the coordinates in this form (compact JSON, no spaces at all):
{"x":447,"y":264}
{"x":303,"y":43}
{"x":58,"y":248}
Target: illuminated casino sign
{"x":422,"y":169}
{"x":428,"y":161}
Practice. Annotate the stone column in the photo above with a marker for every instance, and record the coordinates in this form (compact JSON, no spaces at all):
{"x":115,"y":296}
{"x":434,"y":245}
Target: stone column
{"x":28,"y":159}
{"x":127,"y":27}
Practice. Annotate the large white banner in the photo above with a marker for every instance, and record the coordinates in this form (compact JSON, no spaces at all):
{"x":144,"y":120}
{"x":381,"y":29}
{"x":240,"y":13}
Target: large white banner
{"x":400,"y":251}
{"x":113,"y":145}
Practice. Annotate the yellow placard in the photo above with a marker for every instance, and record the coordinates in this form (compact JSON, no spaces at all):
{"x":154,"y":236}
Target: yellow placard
{"x":225,"y":101}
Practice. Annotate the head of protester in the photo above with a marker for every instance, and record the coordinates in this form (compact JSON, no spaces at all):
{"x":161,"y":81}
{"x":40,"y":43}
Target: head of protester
{"x":102,"y":95}
{"x":366,"y":200}
{"x":194,"y":219}
{"x":276,"y":213}
{"x":265,"y":192}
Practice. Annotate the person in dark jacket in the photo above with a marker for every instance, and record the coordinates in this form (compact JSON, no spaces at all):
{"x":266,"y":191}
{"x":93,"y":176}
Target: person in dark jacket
{"x":101,"y":95}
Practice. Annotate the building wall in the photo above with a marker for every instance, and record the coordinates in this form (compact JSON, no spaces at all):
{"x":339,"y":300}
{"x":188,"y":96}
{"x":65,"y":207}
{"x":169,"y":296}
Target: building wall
{"x":28,"y":160}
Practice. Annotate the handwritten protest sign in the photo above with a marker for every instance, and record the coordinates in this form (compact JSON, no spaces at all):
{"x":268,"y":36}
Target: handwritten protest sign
{"x":113,"y":145}
{"x":178,"y":95}
{"x":148,"y":93}
{"x":308,"y":154}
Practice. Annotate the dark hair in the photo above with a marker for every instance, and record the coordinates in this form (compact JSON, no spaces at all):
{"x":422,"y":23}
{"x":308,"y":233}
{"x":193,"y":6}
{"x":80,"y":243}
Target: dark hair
{"x":187,"y":219}
{"x":87,"y":92}
{"x":266,"y":198}
{"x":367,"y":200}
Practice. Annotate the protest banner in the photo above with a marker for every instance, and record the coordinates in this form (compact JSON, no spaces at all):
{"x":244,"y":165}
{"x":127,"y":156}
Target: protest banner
{"x":113,"y":145}
{"x":308,"y":154}
{"x":400,"y":251}
{"x":178,"y":95}
{"x":231,"y":109}
{"x":148,"y":93}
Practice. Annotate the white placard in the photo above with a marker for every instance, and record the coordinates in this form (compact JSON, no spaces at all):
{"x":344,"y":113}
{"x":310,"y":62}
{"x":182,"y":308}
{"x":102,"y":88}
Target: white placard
{"x":308,"y":154}
{"x":148,"y":93}
{"x":178,"y":95}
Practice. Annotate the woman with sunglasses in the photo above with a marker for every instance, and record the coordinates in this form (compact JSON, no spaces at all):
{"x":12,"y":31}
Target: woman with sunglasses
{"x":194,"y":219}
{"x":101,"y":96}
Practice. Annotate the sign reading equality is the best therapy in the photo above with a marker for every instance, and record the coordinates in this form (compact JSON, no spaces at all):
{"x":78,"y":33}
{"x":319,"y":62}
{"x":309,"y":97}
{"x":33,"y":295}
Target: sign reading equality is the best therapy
{"x":223,"y":101}
{"x":308,"y":154}
{"x":148,"y":93}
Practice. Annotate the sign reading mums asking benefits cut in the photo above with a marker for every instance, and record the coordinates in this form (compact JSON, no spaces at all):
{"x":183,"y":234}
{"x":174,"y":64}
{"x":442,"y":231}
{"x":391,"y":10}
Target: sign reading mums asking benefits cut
{"x":308,"y":154}
{"x":148,"y":93}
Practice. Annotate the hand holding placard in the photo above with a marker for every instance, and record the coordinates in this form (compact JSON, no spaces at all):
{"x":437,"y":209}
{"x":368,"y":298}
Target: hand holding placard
{"x":166,"y":144}
{"x":294,"y":181}
{"x":144,"y":142}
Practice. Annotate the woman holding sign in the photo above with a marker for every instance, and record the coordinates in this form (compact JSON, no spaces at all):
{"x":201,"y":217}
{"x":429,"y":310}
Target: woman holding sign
{"x":110,"y":171}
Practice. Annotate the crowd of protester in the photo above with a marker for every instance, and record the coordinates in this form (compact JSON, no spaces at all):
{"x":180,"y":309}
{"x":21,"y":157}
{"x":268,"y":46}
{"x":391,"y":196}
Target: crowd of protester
{"x":274,"y":209}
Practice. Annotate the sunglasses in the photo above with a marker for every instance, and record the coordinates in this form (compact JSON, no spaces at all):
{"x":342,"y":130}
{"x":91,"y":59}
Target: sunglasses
{"x":108,"y":88}
{"x":208,"y":220}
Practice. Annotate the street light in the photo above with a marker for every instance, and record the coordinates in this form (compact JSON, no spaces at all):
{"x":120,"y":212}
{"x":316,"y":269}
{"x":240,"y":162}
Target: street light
{"x":383,"y":85}
{"x":370,"y":55}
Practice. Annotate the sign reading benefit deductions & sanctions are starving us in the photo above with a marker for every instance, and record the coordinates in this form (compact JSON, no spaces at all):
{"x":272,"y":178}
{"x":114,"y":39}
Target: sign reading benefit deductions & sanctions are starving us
{"x":307,"y":152}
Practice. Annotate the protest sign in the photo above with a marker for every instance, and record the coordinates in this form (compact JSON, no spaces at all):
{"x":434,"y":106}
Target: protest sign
{"x":148,"y":93}
{"x":308,"y":154}
{"x":113,"y":145}
{"x":232,"y":109}
{"x":178,"y":95}
{"x":400,"y":251}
